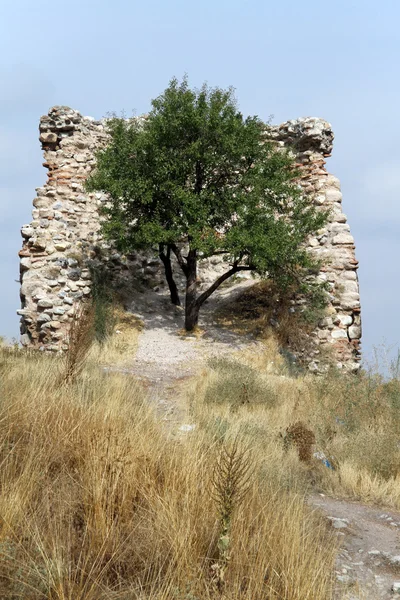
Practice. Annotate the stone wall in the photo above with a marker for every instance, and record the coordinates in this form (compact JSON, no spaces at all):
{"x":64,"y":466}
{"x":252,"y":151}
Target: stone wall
{"x":64,"y":234}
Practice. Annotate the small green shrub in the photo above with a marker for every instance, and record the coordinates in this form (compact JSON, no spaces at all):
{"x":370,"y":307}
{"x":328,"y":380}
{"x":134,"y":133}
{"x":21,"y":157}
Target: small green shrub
{"x":236,"y":384}
{"x":103,"y":300}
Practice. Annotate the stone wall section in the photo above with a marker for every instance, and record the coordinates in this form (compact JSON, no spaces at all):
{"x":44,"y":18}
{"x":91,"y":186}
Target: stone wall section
{"x":340,"y":330}
{"x":64,"y":235}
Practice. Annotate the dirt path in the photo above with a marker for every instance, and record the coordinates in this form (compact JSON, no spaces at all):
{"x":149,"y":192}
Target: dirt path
{"x":166,"y":359}
{"x":368,"y":565}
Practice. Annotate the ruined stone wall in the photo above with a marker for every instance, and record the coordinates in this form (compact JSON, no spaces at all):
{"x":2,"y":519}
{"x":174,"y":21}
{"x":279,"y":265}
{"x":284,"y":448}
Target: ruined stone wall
{"x":64,"y":235}
{"x":340,"y":330}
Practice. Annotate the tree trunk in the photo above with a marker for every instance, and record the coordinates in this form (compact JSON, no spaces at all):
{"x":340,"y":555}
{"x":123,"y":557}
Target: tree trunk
{"x":189,"y":268}
{"x":194,"y":303}
{"x":166,"y":260}
{"x":192,"y":307}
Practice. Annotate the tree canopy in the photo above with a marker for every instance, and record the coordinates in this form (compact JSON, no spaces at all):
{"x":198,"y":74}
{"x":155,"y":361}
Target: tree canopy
{"x":197,"y":178}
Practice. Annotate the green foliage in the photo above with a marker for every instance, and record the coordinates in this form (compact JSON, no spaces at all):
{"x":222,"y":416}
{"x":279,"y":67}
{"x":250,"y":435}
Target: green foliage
{"x":196,"y":171}
{"x":102,"y":297}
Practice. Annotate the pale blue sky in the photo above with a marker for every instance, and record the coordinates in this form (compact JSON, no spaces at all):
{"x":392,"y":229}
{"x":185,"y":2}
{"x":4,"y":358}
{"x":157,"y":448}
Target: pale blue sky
{"x":338,"y":60}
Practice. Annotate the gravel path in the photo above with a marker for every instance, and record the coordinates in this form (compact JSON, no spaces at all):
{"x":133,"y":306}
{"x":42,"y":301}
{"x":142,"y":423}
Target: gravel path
{"x":166,"y":357}
{"x":368,"y":564}
{"x":165,"y":353}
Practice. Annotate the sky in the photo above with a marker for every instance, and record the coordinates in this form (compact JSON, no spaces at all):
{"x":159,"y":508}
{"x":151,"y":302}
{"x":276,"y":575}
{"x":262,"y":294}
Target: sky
{"x":337,"y":60}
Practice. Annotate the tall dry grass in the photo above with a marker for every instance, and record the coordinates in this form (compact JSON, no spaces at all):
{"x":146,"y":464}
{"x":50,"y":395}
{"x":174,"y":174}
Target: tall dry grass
{"x":98,"y":502}
{"x":353,"y":421}
{"x":119,"y":347}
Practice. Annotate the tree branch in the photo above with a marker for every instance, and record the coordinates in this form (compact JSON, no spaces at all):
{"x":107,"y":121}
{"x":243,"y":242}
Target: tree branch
{"x":166,"y":260}
{"x":182,"y":262}
{"x":235,"y":269}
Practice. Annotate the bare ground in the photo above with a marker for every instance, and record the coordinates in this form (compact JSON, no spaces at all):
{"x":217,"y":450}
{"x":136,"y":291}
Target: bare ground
{"x":369,"y":561}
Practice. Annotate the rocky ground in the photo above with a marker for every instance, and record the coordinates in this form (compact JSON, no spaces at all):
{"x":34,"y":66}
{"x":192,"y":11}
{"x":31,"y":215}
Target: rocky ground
{"x":368,"y":565}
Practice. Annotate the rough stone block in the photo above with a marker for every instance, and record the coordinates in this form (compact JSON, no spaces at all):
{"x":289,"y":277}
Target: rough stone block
{"x":343,"y":319}
{"x":339,"y":334}
{"x":343,"y":238}
{"x":333,"y":195}
{"x":45,"y":303}
{"x":354,"y":332}
{"x":48,"y":138}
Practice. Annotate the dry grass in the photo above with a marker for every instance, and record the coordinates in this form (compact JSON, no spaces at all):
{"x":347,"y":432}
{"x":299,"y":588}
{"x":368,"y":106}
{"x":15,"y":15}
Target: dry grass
{"x":120,"y":347}
{"x":354,"y":421}
{"x":80,"y":340}
{"x":97,"y":502}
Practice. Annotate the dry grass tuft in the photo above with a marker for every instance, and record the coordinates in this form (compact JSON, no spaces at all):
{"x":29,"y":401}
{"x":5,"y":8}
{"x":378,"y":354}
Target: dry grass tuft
{"x":80,"y":339}
{"x":231,"y":482}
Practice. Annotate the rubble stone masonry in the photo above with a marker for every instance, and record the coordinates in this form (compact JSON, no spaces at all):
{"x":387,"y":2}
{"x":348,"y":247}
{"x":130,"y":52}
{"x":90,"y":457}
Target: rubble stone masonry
{"x":64,"y":234}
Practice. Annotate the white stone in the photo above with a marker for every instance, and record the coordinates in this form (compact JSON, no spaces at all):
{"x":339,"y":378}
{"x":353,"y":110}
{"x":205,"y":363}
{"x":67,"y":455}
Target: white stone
{"x":61,"y":246}
{"x":339,"y":523}
{"x":343,"y":238}
{"x":48,"y":137}
{"x":332,"y":181}
{"x":352,"y":275}
{"x":39,"y":243}
{"x":43,"y":318}
{"x":323,"y":334}
{"x":339,"y":334}
{"x":350,"y":286}
{"x":319,"y":198}
{"x":333,"y":195}
{"x":27,"y":231}
{"x":45,"y":213}
{"x":186,"y":428}
{"x":355,"y":332}
{"x":344,"y":319}
{"x":339,"y":217}
{"x":326,"y":322}
{"x":350,"y":301}
{"x":339,"y":227}
{"x":26,"y":263}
